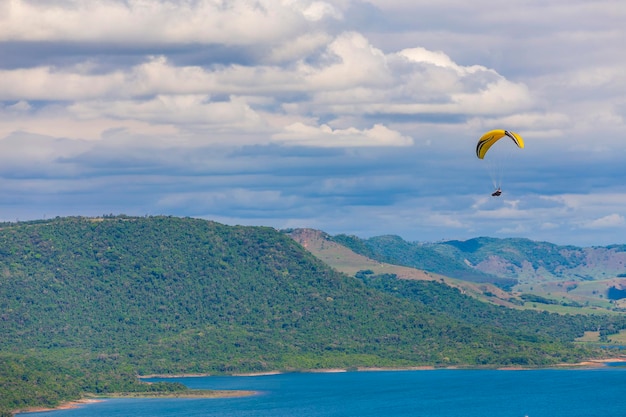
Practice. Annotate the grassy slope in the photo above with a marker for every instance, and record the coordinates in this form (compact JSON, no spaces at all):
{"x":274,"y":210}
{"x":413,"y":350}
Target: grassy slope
{"x":576,"y":279}
{"x":349,"y":262}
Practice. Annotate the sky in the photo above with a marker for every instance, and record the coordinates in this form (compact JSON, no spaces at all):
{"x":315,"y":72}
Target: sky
{"x":355,"y":117}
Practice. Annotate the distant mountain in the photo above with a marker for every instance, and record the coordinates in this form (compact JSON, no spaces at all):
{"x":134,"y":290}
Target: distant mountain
{"x":593,"y":275}
{"x":482,"y":307}
{"x":100,"y":299}
{"x":528,"y":260}
{"x":481,"y":258}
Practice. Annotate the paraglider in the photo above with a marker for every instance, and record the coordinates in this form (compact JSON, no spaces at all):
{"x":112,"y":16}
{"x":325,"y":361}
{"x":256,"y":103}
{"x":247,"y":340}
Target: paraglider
{"x":487,"y":140}
{"x":485,"y":143}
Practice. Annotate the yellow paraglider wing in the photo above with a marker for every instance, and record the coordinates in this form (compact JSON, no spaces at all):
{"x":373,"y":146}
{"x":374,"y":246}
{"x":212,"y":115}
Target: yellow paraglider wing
{"x":488,"y":139}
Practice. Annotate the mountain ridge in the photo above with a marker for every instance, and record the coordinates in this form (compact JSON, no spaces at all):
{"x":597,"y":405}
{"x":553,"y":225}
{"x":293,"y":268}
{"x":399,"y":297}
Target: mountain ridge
{"x":559,"y":274}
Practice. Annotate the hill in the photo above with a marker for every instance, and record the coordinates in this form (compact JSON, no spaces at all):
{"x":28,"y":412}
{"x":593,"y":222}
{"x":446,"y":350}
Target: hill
{"x":342,"y":258}
{"x":444,"y":295}
{"x":538,"y":271}
{"x":395,"y":250}
{"x":100,"y":300}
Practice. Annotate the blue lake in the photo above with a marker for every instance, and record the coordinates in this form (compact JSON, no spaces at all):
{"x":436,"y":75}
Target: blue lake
{"x":441,"y":393}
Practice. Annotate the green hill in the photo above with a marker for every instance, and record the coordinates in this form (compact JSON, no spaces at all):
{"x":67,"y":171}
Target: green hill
{"x":468,"y":301}
{"x":395,"y":250}
{"x":541,"y":271}
{"x":100,"y":300}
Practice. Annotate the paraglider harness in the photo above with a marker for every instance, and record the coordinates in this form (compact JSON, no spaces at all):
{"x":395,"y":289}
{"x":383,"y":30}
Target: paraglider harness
{"x":496,"y":193}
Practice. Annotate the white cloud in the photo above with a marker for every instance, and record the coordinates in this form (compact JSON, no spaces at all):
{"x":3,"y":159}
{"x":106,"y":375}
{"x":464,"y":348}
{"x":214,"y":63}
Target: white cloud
{"x":609,"y":221}
{"x":325,"y":136}
{"x":425,"y":83}
{"x":349,"y":78}
{"x":293,"y":49}
{"x":549,"y":226}
{"x":500,"y":97}
{"x":513,"y":230}
{"x":440,"y":59}
{"x":318,"y":10}
{"x":445,"y":220}
{"x":160,"y":21}
{"x":156,"y":76}
{"x":45,"y":83}
{"x":608,"y":201}
{"x":352,"y":61}
{"x":20,"y":107}
{"x":502,"y":213}
{"x":29,"y":155}
{"x":540,"y":125}
{"x":178,"y":110}
{"x":66,"y":125}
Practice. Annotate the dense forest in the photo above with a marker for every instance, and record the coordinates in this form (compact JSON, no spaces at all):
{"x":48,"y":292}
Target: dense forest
{"x":87,"y":304}
{"x":429,"y":294}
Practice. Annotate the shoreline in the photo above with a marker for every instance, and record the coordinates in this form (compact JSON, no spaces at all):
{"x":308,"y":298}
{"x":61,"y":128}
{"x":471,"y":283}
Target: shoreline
{"x":191,"y":394}
{"x":595,"y":363}
{"x":63,"y":406}
{"x":588,"y":364}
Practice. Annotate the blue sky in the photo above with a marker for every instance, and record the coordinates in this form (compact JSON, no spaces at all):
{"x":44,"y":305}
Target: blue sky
{"x":349,"y":116}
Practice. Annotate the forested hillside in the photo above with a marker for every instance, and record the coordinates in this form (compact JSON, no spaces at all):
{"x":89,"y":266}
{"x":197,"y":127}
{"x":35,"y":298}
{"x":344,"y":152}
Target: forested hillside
{"x":103,"y":299}
{"x":395,"y":250}
{"x":540,"y":271}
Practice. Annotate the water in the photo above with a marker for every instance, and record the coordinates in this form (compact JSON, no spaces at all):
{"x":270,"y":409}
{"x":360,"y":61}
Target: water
{"x":440,"y":393}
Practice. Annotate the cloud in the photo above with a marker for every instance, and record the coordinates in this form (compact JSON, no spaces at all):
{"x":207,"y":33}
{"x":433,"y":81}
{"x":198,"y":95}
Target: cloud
{"x":583,"y":201}
{"x":349,"y":60}
{"x":160,"y":21}
{"x":44,"y":156}
{"x":549,"y":226}
{"x":609,"y":221}
{"x":180,"y":109}
{"x":353,"y":116}
{"x":347,"y":78}
{"x":425,"y":82}
{"x":437,"y":58}
{"x":291,"y":50}
{"x":514,"y":229}
{"x":446,"y":221}
{"x":325,"y":136}
{"x":237,"y":201}
{"x":318,"y":10}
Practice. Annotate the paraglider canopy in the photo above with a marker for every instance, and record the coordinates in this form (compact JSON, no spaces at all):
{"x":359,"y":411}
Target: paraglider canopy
{"x":487,"y":140}
{"x":496,"y":164}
